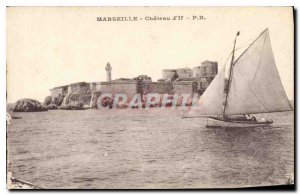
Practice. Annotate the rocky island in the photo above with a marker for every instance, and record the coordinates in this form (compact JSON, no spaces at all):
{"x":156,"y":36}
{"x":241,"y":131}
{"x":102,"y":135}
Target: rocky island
{"x":29,"y":105}
{"x":177,"y":87}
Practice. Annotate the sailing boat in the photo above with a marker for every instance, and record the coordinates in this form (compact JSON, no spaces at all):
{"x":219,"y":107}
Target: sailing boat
{"x":252,"y":87}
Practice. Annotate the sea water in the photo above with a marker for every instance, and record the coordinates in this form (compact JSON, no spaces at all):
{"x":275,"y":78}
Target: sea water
{"x":152,"y":148}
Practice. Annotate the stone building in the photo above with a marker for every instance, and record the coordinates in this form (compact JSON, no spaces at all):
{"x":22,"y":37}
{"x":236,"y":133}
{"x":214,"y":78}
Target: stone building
{"x":206,"y":69}
{"x":169,"y":74}
{"x":185,"y":87}
{"x":184,"y":73}
{"x":175,"y":81}
{"x":95,"y":86}
{"x":204,"y":74}
{"x":81,"y":87}
{"x":61,"y":90}
{"x":175,"y":74}
{"x":163,"y":87}
{"x":128,"y":87}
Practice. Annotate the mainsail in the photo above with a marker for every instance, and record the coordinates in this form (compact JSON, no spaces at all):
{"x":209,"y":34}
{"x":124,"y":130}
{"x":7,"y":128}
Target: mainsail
{"x":211,"y":102}
{"x":255,"y":86}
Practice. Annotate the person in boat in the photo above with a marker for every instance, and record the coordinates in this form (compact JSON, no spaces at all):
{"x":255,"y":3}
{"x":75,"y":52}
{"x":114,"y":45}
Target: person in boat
{"x":248,"y":117}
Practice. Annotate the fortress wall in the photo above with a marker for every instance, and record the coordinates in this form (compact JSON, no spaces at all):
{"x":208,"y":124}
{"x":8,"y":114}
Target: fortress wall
{"x":74,"y":88}
{"x":98,"y":86}
{"x":95,"y":86}
{"x":130,"y":88}
{"x":157,"y":87}
{"x":199,"y":71}
{"x":56,"y":91}
{"x":169,"y":74}
{"x":63,"y":90}
{"x":69,"y":89}
{"x":207,"y":68}
{"x":203,"y":82}
{"x":185,"y":87}
{"x":80,"y":88}
{"x":85,"y":88}
{"x":211,"y":68}
{"x":184,"y":73}
{"x":92,"y":86}
{"x":210,"y":79}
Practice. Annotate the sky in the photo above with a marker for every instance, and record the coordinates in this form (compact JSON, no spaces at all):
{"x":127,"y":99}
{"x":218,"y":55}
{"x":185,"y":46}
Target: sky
{"x":54,"y":46}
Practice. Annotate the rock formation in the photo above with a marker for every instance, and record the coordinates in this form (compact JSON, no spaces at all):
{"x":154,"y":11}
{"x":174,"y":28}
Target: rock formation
{"x":94,"y":99}
{"x":47,"y":100}
{"x":52,"y":106}
{"x":28,"y":105}
{"x":75,"y":101}
{"x":74,"y":105}
{"x":57,"y":100}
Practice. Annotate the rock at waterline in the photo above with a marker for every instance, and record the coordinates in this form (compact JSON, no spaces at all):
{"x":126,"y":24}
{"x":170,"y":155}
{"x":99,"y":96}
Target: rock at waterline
{"x":74,"y":105}
{"x":52,"y":106}
{"x":28,"y":105}
{"x":74,"y":101}
{"x":57,"y":100}
{"x":86,"y":107}
{"x":94,"y":98}
{"x":47,"y":100}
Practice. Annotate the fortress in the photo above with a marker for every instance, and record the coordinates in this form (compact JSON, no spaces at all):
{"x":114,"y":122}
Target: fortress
{"x":173,"y":81}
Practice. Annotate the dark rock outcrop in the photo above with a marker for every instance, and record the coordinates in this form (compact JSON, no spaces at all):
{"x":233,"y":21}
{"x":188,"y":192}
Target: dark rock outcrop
{"x":74,"y":105}
{"x":28,"y":105}
{"x":47,"y":100}
{"x":52,"y":106}
{"x":57,"y":100}
{"x":74,"y":101}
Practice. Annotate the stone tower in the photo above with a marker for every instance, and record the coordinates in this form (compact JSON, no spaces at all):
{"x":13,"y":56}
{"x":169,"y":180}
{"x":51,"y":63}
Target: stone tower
{"x":108,"y":72}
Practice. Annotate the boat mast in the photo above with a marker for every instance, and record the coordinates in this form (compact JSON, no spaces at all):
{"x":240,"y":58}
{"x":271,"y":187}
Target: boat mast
{"x":228,"y":81}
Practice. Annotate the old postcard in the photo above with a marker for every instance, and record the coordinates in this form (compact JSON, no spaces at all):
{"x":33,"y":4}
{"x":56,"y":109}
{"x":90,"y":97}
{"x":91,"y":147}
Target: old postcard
{"x":150,"y":97}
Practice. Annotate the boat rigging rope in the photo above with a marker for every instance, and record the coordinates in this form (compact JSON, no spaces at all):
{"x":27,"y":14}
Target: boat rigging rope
{"x":246,"y":43}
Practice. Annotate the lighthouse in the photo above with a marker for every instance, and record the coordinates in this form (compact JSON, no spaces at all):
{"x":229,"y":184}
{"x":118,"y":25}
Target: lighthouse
{"x":108,"y":72}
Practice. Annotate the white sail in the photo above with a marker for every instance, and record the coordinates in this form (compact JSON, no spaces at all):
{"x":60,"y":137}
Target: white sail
{"x":211,"y":101}
{"x":256,"y":86}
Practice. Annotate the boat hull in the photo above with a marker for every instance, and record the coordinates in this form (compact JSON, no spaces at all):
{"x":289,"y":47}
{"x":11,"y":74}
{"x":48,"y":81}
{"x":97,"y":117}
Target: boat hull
{"x":213,"y":123}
